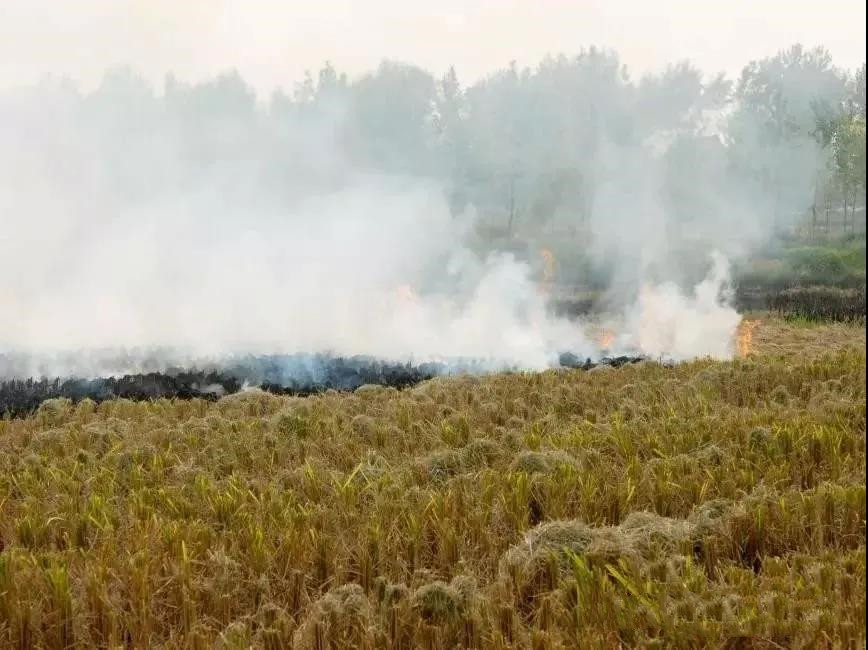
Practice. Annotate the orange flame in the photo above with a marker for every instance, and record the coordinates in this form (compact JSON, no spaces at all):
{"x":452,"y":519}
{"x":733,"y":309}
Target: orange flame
{"x":745,"y":336}
{"x":548,"y":270}
{"x":606,"y":338}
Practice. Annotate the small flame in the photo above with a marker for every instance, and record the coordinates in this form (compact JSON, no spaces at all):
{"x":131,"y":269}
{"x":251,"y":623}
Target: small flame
{"x":745,"y":336}
{"x":548,"y":270}
{"x":606,"y":338}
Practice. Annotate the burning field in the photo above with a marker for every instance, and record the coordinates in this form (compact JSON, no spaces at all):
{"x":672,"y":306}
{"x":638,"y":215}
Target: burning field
{"x":287,"y":375}
{"x":505,"y":325}
{"x":720,"y":502}
{"x":398,"y":361}
{"x":24,"y":384}
{"x":488,"y":474}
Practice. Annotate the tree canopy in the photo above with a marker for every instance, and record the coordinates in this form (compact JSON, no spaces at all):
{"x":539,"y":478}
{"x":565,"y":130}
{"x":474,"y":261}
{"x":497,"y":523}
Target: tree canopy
{"x":527,"y":148}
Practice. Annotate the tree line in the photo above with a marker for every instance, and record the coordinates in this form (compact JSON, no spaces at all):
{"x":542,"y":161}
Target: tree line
{"x":527,"y":148}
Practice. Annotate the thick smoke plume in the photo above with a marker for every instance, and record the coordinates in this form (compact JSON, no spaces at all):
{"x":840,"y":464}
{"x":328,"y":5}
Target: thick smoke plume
{"x":668,"y":323}
{"x":378,"y":268}
{"x":142,"y":229}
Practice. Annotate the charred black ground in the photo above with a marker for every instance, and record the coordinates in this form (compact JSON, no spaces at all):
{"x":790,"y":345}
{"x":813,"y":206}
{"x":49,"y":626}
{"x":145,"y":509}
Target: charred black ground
{"x":284,"y":374}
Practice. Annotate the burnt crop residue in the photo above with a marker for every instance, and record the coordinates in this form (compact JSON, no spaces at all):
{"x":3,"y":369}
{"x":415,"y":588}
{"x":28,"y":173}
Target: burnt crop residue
{"x":284,"y":374}
{"x":281,"y":374}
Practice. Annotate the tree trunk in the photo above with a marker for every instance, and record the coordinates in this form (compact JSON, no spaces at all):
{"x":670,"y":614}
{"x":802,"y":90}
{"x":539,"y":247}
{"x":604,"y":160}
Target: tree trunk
{"x":828,"y":214}
{"x":777,"y":218}
{"x":844,"y":222}
{"x":511,"y":205}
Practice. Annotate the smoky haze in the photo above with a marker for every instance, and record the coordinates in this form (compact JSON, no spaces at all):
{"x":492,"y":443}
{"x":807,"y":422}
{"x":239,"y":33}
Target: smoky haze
{"x":396,"y":213}
{"x":273,"y":43}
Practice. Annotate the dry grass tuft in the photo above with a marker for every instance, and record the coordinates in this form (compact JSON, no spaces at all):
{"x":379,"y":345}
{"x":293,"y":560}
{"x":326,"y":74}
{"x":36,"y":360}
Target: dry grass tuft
{"x":541,"y":462}
{"x":343,"y":618}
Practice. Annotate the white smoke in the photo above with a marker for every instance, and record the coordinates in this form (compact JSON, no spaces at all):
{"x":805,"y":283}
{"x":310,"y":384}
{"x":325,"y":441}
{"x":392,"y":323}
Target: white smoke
{"x":123,"y":241}
{"x":347,"y":273}
{"x":323,"y":280}
{"x":667,"y":323}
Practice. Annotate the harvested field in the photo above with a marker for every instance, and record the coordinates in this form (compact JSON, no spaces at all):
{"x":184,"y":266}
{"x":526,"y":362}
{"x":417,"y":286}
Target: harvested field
{"x":793,"y":338}
{"x":712,"y":504}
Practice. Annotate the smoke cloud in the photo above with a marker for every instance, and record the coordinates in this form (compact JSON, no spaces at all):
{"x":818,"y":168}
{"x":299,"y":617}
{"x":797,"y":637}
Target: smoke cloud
{"x":378,"y":268}
{"x":199,"y":223}
{"x":668,"y":323}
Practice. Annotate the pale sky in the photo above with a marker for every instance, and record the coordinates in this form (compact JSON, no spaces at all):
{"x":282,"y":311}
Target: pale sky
{"x":273,"y":43}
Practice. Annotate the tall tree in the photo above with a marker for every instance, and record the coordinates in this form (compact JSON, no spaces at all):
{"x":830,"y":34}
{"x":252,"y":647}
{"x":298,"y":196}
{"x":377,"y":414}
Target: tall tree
{"x":392,"y":112}
{"x":451,"y":137}
{"x":773,"y":133}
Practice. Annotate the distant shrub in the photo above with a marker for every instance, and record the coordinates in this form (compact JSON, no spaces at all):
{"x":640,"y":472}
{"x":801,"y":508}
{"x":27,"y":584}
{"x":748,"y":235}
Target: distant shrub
{"x":768,"y":274}
{"x":817,"y":265}
{"x":820,"y":304}
{"x":840,"y":266}
{"x":854,"y":255}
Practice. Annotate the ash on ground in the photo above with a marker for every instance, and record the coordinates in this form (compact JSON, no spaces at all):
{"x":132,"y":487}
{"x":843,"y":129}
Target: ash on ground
{"x":297,"y":374}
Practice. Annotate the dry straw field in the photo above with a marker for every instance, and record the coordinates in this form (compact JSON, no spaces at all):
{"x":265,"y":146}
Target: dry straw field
{"x":710,"y":504}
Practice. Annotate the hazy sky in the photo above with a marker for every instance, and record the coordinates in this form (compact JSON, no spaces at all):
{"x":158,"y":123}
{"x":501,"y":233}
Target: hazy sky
{"x":272,"y":43}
